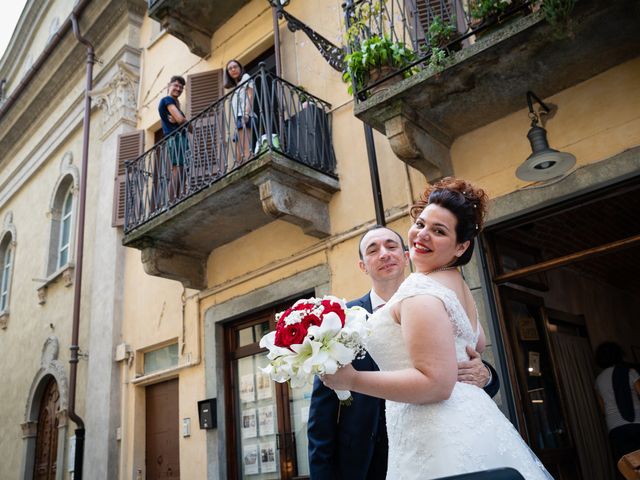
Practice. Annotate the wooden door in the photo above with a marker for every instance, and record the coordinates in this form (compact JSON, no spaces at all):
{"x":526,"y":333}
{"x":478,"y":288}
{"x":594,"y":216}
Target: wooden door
{"x":47,"y":436}
{"x":162,"y":455}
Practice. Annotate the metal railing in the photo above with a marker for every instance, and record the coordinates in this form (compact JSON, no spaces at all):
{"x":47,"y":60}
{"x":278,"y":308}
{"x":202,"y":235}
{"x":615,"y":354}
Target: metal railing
{"x":410,"y":22}
{"x":264,"y":114}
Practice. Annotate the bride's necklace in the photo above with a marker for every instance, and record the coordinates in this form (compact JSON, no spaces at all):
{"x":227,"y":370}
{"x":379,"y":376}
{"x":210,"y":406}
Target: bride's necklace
{"x":441,"y":269}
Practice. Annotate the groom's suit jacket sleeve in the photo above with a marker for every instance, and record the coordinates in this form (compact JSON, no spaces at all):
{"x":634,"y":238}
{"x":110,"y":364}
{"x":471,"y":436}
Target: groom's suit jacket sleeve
{"x":340,"y":438}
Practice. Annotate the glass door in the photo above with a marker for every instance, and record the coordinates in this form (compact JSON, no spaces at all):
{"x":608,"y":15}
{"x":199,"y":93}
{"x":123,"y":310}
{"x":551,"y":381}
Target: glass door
{"x":268,"y":423}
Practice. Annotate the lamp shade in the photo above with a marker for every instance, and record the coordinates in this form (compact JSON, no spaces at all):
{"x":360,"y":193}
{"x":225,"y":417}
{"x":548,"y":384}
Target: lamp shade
{"x":544,"y":163}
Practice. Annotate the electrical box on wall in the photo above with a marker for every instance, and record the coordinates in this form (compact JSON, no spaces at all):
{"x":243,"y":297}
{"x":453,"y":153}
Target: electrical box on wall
{"x":207,"y":414}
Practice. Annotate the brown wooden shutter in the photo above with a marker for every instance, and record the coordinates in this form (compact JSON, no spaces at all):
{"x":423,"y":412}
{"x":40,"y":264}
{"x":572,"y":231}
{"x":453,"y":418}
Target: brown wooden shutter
{"x":207,"y":132}
{"x":426,"y":11}
{"x":202,"y":90}
{"x":130,"y":147}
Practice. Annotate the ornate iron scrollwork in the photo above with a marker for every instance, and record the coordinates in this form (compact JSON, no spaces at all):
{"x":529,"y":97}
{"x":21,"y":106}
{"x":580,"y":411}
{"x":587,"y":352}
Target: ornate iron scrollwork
{"x":333,"y":54}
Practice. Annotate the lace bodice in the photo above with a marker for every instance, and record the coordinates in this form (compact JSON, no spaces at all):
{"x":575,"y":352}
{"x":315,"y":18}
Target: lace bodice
{"x":385,"y":326}
{"x":465,"y":433}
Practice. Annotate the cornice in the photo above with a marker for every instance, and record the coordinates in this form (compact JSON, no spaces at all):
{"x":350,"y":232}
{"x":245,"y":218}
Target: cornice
{"x":24,"y":33}
{"x":66,"y":61}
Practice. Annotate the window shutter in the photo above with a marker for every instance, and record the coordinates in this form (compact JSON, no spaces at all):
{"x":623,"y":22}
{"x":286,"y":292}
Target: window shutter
{"x":207,"y":132}
{"x":202,"y":90}
{"x":130,"y":147}
{"x":426,"y":11}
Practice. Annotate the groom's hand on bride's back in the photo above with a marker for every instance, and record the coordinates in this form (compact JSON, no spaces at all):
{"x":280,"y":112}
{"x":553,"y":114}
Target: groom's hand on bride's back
{"x":473,"y":371}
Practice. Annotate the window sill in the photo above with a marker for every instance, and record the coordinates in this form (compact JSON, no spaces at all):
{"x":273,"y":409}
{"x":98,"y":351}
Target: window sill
{"x":4,"y":319}
{"x":161,"y":375}
{"x":66,"y":273}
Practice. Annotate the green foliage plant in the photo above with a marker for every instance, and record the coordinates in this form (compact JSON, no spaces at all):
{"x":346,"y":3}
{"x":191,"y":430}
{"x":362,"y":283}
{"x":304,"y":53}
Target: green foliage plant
{"x":441,"y":33}
{"x":375,"y":52}
{"x":483,"y":9}
{"x":558,"y":14}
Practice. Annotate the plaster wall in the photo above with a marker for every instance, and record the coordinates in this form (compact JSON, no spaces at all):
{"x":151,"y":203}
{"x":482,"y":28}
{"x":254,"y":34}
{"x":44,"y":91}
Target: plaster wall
{"x":595,"y":120}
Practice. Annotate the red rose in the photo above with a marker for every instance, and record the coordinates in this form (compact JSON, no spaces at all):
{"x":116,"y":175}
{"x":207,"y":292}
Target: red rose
{"x":292,"y":334}
{"x":311,"y":319}
{"x":278,"y":340}
{"x":329,"y":306}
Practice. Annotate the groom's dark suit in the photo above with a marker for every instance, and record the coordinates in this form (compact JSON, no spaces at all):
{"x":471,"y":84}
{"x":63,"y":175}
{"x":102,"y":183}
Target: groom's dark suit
{"x":351,"y":442}
{"x":347,"y":442}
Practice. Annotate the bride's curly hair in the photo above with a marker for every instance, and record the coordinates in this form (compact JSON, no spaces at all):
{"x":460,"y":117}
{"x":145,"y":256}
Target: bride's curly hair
{"x":467,"y":203}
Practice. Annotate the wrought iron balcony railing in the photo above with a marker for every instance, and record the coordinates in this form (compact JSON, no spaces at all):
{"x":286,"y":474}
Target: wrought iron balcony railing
{"x":424,"y":26}
{"x":281,"y":118}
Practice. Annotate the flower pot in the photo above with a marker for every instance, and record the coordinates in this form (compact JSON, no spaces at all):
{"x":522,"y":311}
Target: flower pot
{"x":382,"y":72}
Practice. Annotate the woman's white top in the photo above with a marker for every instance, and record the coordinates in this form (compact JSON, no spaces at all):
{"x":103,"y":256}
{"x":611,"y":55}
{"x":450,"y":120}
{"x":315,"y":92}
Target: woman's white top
{"x":604,"y":385}
{"x":239,"y":105}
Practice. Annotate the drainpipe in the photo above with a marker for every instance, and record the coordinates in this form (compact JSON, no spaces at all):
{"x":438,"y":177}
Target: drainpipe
{"x":73,"y":361}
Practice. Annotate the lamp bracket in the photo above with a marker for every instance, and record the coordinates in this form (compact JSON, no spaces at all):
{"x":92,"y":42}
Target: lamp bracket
{"x":333,"y":54}
{"x":543,"y":113}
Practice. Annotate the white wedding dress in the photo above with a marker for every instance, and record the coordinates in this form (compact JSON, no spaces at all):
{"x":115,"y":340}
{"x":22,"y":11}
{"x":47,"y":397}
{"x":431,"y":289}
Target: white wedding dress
{"x":467,"y":432}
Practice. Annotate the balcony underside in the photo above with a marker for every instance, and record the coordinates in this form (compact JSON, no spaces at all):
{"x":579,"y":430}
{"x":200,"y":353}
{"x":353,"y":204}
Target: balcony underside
{"x":423,"y":114}
{"x":176,"y":243}
{"x":194,"y":21}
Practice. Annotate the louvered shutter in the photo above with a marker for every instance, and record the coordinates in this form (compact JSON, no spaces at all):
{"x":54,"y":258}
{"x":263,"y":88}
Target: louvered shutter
{"x":130,"y":147}
{"x":425,"y":12}
{"x":207,"y":131}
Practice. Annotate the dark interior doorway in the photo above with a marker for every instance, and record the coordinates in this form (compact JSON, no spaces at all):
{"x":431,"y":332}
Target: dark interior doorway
{"x":565,"y":280}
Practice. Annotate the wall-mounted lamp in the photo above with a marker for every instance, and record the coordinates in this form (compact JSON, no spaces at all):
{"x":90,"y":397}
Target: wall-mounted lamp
{"x":544,"y":163}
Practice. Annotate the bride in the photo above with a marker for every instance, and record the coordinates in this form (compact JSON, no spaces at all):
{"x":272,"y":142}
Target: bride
{"x":436,"y":425}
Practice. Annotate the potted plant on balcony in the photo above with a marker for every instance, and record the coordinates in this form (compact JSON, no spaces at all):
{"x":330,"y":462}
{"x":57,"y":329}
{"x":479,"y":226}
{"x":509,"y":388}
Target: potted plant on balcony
{"x":441,"y":33}
{"x":485,"y":12}
{"x":377,"y":57}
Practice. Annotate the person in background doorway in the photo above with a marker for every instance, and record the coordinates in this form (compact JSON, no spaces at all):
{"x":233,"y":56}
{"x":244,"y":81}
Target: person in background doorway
{"x":618,"y":391}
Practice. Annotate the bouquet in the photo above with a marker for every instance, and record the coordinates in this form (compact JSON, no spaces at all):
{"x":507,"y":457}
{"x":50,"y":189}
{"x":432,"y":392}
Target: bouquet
{"x":313,"y":337}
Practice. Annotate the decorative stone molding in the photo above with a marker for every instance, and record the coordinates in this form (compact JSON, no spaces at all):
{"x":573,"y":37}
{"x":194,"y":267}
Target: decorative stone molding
{"x":4,"y":319}
{"x":29,"y":429}
{"x":67,"y":276}
{"x":282,"y":201}
{"x":117,"y":99}
{"x":175,"y":264}
{"x":199,"y":43}
{"x":66,"y":273}
{"x":9,"y":227}
{"x":42,"y":295}
{"x":426,"y":151}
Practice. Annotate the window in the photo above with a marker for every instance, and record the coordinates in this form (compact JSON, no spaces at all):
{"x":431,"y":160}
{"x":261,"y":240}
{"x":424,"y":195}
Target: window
{"x":61,"y":236}
{"x":267,"y":427}
{"x":65,"y":229}
{"x":161,"y":359}
{"x":6,"y":256}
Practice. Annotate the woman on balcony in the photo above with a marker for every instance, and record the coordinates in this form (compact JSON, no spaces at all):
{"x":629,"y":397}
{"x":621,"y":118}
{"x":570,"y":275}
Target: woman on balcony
{"x":236,"y":78}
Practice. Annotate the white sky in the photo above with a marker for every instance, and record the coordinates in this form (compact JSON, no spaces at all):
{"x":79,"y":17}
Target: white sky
{"x":11,"y":11}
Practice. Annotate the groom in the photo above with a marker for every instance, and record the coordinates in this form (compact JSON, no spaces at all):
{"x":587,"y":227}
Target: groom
{"x":350,"y":442}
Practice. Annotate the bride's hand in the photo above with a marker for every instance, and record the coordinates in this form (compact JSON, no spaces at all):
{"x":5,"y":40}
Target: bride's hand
{"x":341,"y":380}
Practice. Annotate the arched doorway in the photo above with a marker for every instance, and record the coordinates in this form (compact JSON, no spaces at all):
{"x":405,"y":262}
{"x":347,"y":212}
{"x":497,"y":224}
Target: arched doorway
{"x":45,"y":464}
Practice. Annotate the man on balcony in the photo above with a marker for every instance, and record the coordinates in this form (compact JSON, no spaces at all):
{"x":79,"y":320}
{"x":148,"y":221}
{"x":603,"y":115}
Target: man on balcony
{"x":177,"y":143}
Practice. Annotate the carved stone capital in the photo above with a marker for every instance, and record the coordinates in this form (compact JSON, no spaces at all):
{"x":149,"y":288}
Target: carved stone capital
{"x":29,"y":429}
{"x":173,"y":263}
{"x":63,"y":418}
{"x":117,"y":98}
{"x":425,"y":151}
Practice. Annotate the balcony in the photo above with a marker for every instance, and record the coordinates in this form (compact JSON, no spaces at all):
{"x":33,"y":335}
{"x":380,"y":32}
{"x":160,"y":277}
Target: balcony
{"x":488,"y":70}
{"x":194,"y":21}
{"x":211,"y":182}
